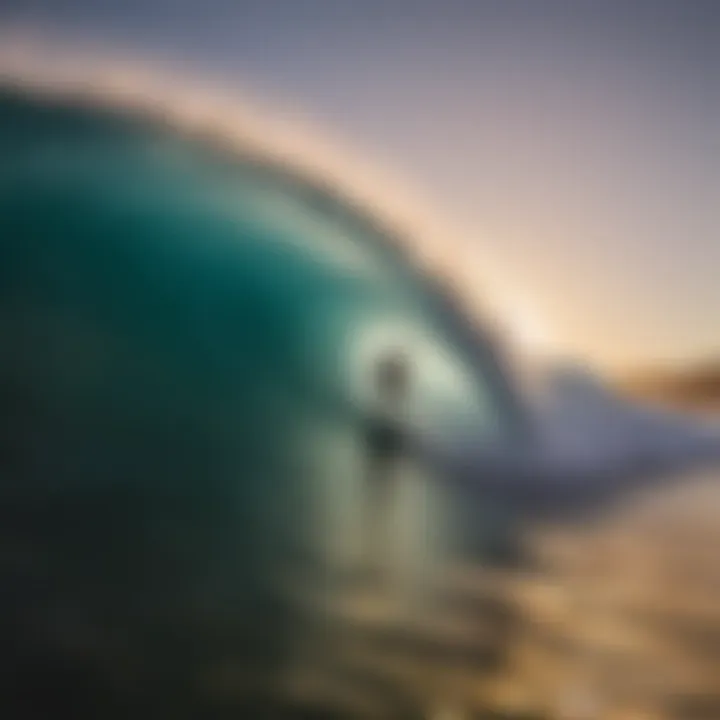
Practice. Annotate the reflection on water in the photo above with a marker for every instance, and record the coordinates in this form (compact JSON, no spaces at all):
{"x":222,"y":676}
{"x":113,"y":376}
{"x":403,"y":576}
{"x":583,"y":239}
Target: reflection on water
{"x":628,"y":604}
{"x":616,"y":617}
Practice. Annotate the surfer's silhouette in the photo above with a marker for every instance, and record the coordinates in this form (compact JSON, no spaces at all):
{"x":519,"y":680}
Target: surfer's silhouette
{"x":387,"y":447}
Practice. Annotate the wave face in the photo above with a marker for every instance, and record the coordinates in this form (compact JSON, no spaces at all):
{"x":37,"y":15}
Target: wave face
{"x":186,"y":333}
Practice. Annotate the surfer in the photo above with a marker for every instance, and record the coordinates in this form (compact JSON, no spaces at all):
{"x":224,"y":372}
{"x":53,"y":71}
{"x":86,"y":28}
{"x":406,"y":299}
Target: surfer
{"x":387,"y":447}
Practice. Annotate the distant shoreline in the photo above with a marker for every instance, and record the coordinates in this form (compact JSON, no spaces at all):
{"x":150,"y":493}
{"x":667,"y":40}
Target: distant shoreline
{"x":694,"y":389}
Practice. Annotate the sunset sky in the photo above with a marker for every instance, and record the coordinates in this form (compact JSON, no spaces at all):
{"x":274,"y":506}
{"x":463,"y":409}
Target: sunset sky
{"x":576,"y":143}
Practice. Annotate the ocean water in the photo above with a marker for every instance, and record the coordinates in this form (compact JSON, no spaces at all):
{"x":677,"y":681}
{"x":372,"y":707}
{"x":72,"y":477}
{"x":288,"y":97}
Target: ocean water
{"x":187,"y":336}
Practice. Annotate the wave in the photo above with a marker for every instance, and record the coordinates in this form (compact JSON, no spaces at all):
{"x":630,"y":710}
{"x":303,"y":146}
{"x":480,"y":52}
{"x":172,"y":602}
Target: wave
{"x":195,"y":310}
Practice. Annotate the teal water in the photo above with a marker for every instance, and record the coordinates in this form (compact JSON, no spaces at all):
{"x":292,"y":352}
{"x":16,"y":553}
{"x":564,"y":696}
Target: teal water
{"x":184,"y":337}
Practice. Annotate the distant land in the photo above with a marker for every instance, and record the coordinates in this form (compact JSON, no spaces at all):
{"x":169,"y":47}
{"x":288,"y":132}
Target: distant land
{"x":693,"y":387}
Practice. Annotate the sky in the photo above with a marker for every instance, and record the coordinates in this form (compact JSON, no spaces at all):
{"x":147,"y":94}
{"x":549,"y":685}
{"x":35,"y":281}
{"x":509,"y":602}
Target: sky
{"x":576,"y":143}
